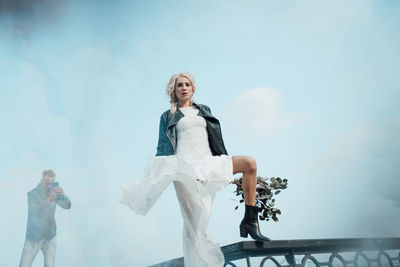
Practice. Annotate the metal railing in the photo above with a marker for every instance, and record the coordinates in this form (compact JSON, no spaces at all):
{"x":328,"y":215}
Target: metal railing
{"x":344,"y":252}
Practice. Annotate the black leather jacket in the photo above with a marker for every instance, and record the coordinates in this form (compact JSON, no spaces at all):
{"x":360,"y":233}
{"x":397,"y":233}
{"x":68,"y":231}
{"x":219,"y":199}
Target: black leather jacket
{"x":167,"y":139}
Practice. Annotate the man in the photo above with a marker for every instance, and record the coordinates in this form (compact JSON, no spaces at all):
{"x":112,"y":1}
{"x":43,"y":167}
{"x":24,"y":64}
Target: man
{"x":41,"y":225}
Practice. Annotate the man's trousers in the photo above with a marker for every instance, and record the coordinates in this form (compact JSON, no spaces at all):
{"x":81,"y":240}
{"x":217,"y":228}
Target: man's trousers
{"x":31,"y":249}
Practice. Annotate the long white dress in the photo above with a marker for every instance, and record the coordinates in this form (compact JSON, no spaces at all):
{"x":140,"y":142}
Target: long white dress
{"x":197,"y":176}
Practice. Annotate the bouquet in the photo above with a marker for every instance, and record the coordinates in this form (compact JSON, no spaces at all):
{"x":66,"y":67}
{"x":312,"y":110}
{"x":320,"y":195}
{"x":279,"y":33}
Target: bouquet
{"x":266,"y":189}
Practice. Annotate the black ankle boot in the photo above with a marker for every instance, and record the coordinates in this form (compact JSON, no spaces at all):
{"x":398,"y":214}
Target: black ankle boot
{"x":249,"y":225}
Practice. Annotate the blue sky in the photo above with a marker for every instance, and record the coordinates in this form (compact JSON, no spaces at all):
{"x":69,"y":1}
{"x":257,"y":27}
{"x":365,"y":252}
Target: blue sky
{"x":309,"y":88}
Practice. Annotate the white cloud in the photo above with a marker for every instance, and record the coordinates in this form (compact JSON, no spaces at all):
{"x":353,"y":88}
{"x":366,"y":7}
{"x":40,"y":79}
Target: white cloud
{"x":358,"y":178}
{"x":360,"y":145}
{"x":259,"y":112}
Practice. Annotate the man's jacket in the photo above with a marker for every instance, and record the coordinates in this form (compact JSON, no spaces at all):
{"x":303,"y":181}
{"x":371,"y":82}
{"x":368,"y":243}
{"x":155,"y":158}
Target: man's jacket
{"x":41,"y":221}
{"x":167,"y":138}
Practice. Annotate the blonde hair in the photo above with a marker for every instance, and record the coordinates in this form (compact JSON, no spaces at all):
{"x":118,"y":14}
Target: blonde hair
{"x":171,"y":88}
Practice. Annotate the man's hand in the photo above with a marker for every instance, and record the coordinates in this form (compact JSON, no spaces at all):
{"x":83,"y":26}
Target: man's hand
{"x":59,"y":191}
{"x":54,"y":193}
{"x":51,"y":195}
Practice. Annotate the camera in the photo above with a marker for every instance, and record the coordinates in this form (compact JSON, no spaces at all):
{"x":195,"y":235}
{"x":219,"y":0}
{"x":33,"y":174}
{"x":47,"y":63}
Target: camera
{"x":54,"y":185}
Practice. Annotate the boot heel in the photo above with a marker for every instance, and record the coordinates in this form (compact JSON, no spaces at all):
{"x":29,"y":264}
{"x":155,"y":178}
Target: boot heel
{"x":243,"y":232}
{"x":249,"y":225}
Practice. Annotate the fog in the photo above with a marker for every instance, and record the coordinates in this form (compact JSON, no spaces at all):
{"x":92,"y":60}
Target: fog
{"x":308,"y":89}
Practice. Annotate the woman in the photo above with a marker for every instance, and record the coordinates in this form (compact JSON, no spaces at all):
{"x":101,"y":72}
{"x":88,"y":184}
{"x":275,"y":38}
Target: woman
{"x":192,"y":155}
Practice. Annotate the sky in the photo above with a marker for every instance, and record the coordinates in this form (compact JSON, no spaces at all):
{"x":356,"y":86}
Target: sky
{"x":309,"y":88}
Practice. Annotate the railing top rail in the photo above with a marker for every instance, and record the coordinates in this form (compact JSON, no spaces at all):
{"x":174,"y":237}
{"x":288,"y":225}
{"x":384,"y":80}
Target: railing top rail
{"x":305,"y":246}
{"x":242,"y":249}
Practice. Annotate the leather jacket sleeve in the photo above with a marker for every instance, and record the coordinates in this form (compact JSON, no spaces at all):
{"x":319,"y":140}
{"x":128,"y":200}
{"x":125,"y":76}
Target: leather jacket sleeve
{"x":215,"y":140}
{"x":161,"y":136}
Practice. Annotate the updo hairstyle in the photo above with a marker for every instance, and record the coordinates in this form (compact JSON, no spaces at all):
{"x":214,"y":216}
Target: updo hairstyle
{"x":171,"y":88}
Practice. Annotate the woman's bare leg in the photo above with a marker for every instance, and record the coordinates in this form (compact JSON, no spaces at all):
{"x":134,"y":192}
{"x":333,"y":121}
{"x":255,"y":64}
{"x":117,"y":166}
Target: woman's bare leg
{"x":249,"y":225}
{"x":248,"y":166}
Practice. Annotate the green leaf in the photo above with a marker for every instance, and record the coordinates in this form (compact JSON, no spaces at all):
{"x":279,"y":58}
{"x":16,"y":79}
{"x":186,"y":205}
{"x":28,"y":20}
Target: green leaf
{"x":266,"y":189}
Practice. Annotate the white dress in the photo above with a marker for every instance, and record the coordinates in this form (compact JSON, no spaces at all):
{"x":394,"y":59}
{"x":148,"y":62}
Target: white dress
{"x":197,"y":176}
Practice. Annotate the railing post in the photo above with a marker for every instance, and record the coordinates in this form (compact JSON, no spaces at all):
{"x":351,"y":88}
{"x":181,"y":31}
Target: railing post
{"x":248,"y":261}
{"x":290,"y":259}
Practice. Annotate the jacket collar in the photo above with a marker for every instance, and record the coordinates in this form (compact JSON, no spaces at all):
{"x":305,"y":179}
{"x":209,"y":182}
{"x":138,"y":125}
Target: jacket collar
{"x":175,"y":117}
{"x":202,"y":111}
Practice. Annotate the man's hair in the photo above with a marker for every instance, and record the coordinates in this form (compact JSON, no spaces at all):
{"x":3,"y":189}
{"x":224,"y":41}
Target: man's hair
{"x":48,"y":173}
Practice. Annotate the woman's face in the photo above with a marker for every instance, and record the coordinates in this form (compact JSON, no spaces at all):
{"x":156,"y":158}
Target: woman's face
{"x":183,"y":89}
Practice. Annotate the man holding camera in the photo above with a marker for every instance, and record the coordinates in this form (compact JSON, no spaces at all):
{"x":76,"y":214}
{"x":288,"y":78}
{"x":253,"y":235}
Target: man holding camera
{"x":41,"y":225}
